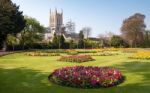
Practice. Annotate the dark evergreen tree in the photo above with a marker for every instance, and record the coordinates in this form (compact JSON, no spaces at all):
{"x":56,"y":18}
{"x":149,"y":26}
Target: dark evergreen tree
{"x":81,"y":40}
{"x":55,"y":41}
{"x":61,"y":42}
{"x":11,"y":19}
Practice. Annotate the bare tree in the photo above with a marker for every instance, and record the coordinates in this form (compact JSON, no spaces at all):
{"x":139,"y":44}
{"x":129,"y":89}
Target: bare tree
{"x":70,"y":27}
{"x":133,"y":30}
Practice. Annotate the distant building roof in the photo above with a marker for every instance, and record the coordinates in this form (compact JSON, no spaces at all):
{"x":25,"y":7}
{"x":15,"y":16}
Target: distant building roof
{"x":94,"y":39}
{"x":47,"y":30}
{"x":72,"y":35}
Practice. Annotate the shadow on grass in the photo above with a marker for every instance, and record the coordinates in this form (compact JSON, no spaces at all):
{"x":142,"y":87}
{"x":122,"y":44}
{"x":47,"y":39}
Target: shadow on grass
{"x":22,"y":80}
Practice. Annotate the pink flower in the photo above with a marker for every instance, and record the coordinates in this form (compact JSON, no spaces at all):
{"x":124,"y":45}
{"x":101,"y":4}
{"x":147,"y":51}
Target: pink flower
{"x":83,"y":76}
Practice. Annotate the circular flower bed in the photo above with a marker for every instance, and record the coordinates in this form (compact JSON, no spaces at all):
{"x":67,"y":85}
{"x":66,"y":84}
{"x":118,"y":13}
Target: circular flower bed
{"x":41,"y":54}
{"x":76,"y":58}
{"x":86,"y":77}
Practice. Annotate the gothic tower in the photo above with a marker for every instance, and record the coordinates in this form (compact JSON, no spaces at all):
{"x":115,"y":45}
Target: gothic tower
{"x":56,"y":22}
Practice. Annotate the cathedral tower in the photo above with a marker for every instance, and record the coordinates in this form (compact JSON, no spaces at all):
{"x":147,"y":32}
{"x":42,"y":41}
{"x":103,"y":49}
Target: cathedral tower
{"x":56,"y":21}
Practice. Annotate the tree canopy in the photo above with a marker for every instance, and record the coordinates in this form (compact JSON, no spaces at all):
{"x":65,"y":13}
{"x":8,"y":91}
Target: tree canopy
{"x":32,"y":33}
{"x":81,"y":40}
{"x":133,"y":30}
{"x":11,"y":19}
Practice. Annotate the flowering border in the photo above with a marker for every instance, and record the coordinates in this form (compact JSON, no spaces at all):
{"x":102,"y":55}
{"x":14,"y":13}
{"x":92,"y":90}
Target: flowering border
{"x":76,"y":58}
{"x":41,"y":54}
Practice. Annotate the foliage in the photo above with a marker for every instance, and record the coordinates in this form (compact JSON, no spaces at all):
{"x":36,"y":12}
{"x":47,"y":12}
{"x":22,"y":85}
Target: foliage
{"x":72,"y":52}
{"x":11,"y":19}
{"x":56,"y":51}
{"x":32,"y":33}
{"x":91,"y":44}
{"x":12,"y":40}
{"x":61,"y":42}
{"x":72,"y":44}
{"x":55,"y":41}
{"x":117,"y":41}
{"x":81,"y":40}
{"x":147,"y":38}
{"x":86,"y":77}
{"x":133,"y":30}
{"x":76,"y":58}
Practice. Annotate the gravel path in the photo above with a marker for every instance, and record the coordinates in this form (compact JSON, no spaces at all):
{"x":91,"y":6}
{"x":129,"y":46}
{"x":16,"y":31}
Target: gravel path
{"x":2,"y":53}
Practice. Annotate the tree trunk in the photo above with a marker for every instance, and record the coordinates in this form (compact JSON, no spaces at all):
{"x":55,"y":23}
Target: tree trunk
{"x":4,"y":46}
{"x":13,"y":47}
{"x":23,"y":47}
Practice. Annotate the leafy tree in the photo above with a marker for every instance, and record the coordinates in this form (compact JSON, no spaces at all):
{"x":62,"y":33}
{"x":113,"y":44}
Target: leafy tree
{"x":61,"y":42}
{"x":117,"y":41}
{"x":81,"y":40}
{"x":32,"y":33}
{"x":72,"y":44}
{"x":147,"y":38}
{"x":12,"y":40}
{"x":91,"y":43}
{"x":133,"y":30}
{"x":58,"y":41}
{"x":55,"y":41}
{"x":11,"y":20}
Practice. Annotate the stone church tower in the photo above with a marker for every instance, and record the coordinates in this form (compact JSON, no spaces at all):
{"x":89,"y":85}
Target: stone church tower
{"x":56,"y":22}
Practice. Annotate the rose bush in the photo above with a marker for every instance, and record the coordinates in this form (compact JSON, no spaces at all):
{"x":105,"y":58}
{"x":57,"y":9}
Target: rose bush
{"x":86,"y":77}
{"x":76,"y":58}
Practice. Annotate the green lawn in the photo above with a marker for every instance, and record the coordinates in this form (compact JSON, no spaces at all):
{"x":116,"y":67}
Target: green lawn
{"x":24,"y":74}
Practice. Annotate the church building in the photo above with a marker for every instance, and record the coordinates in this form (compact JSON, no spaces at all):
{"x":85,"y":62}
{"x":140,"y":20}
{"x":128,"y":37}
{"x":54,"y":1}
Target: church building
{"x":57,"y":26}
{"x":56,"y":22}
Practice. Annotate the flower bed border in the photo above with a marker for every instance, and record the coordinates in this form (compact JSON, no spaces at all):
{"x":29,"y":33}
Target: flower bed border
{"x":41,"y":54}
{"x":76,"y":58}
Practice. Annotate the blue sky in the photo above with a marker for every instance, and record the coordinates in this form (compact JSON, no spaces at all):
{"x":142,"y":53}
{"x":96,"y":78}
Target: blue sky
{"x":101,"y":15}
